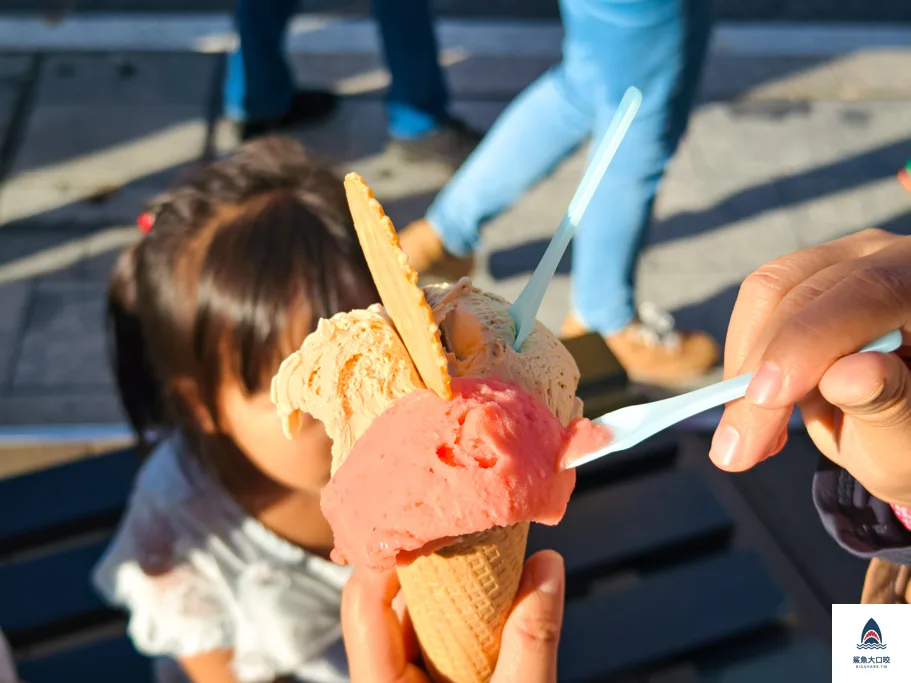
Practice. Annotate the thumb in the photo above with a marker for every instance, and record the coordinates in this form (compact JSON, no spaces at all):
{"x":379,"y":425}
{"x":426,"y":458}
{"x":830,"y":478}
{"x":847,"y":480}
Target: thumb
{"x":528,"y":653}
{"x":875,"y":390}
{"x":872,"y":438}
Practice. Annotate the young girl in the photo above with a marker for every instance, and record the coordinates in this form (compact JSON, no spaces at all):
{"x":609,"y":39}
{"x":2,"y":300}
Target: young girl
{"x":222,"y":557}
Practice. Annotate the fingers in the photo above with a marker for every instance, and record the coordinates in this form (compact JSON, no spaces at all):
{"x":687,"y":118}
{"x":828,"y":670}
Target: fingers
{"x":747,"y":435}
{"x":763,"y":291}
{"x":873,"y":298}
{"x":372,"y":631}
{"x":532,"y":632}
{"x":776,"y":295}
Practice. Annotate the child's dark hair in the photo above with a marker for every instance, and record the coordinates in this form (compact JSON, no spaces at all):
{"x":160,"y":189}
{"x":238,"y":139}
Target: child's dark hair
{"x":241,"y":261}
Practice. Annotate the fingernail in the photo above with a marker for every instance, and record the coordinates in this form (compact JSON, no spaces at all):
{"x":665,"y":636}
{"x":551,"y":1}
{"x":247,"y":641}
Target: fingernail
{"x":549,"y":574}
{"x":765,"y":385}
{"x":725,"y":446}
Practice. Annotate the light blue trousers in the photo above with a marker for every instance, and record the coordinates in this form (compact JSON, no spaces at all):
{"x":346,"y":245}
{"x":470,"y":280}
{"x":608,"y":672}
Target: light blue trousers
{"x":656,"y":45}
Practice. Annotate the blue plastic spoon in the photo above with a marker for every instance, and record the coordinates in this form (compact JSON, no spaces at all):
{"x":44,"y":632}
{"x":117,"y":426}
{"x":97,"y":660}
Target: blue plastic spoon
{"x":634,"y":424}
{"x":525,"y":309}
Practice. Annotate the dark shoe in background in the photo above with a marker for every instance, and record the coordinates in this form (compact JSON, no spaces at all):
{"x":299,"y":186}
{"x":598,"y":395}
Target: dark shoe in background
{"x":307,"y":107}
{"x":450,"y":144}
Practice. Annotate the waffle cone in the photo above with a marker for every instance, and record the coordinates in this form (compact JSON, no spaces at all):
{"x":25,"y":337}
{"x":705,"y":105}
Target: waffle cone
{"x":458,"y":599}
{"x":397,"y":283}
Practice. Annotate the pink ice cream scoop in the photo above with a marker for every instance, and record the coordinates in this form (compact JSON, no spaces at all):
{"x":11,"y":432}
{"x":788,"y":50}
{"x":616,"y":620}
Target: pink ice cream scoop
{"x":429,"y":470}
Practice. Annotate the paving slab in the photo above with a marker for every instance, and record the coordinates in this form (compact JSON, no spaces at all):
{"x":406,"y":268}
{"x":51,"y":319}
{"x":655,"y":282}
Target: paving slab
{"x":77,"y":251}
{"x":728,"y":76}
{"x":9,"y":344}
{"x":81,"y":157}
{"x":127,"y":79}
{"x":717,"y":258}
{"x":63,"y":346}
{"x":356,"y":130}
{"x":102,"y":249}
{"x":96,"y":406}
{"x":871,"y":74}
{"x":14,"y":301}
{"x":14,"y":67}
{"x":15,"y":298}
{"x":753,"y":140}
{"x":469,"y":76}
{"x":105,"y":132}
{"x":883,"y":74}
{"x":21,"y":244}
{"x":835,"y":211}
{"x":13,"y":70}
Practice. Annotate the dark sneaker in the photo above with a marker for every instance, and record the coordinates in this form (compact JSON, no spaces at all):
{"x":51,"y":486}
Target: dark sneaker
{"x":450,"y":144}
{"x":307,"y":106}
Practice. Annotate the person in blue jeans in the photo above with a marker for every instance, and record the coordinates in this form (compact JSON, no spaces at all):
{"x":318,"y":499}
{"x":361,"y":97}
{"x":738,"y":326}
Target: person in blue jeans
{"x":657,"y":45}
{"x":260,"y":95}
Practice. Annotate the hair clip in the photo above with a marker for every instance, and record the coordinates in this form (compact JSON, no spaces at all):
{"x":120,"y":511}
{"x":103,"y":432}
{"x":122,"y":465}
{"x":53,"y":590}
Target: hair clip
{"x":145,"y":222}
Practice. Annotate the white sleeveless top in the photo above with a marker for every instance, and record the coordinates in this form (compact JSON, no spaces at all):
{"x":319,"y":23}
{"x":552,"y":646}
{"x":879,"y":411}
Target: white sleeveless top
{"x":196,"y":573}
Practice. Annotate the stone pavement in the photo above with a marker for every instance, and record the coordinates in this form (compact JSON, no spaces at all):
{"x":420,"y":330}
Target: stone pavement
{"x":782,"y":153}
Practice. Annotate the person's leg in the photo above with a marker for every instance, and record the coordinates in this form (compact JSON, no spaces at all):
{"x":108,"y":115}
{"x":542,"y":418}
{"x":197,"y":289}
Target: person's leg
{"x":417,"y":101}
{"x":538,"y":129}
{"x":417,"y":104}
{"x":658,"y":46}
{"x":258,"y":83}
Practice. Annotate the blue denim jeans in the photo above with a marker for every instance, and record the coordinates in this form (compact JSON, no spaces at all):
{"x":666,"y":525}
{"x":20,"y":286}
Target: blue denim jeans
{"x":609,"y":45}
{"x":259,"y":84}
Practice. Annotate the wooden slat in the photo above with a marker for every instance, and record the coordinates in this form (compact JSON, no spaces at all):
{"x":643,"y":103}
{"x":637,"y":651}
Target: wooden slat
{"x":112,"y":659}
{"x":616,"y":526}
{"x":50,"y":588}
{"x":60,"y":499}
{"x":668,"y":615}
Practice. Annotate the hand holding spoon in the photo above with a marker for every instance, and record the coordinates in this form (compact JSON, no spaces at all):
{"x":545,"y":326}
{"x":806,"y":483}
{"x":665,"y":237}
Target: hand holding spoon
{"x":634,"y":424}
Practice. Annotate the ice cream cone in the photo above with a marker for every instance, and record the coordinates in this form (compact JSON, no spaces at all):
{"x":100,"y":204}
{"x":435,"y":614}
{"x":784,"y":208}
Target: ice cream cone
{"x":356,"y":365}
{"x":458,"y":599}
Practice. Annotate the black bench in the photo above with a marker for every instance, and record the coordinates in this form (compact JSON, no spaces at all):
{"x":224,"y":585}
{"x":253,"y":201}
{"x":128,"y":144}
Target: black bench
{"x":54,"y":525}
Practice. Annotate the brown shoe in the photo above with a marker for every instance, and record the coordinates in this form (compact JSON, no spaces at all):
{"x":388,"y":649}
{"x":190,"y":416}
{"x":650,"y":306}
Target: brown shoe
{"x":653,"y":352}
{"x":427,"y":255}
